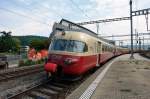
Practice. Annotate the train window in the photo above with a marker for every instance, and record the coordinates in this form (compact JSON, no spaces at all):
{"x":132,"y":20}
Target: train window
{"x":59,"y":44}
{"x":85,"y":48}
{"x":109,"y":49}
{"x":69,"y":45}
{"x":103,"y":48}
{"x":76,"y":46}
{"x":106,"y":48}
{"x":98,"y":47}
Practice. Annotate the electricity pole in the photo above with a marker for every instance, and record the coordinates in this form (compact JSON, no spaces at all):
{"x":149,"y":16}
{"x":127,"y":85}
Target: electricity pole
{"x":143,"y":43}
{"x":136,"y":39}
{"x":97,"y":26}
{"x":131,"y":23}
{"x":139,"y":44}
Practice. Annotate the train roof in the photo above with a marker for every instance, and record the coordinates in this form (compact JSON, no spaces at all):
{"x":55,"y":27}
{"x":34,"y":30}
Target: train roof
{"x":75,"y":26}
{"x":70,"y":26}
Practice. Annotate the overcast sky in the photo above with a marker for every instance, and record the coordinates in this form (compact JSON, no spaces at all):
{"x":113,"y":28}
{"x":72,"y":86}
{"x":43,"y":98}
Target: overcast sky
{"x":36,"y":17}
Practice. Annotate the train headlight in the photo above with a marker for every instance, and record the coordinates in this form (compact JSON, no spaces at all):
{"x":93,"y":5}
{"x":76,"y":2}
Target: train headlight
{"x":69,"y":61}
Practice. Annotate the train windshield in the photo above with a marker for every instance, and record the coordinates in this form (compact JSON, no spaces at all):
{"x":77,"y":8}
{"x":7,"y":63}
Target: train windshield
{"x":68,"y":45}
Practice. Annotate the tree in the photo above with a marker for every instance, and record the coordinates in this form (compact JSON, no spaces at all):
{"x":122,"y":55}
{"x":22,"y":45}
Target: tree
{"x":16,"y":45}
{"x":46,"y":43}
{"x":7,"y":43}
{"x":39,"y":44}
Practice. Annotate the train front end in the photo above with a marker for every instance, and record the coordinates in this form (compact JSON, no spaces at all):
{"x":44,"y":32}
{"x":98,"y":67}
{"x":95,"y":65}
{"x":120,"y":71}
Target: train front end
{"x":66,"y":55}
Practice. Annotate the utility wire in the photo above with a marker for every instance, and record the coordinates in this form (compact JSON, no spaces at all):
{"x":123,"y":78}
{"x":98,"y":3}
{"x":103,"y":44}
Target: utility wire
{"x":79,"y":9}
{"x":55,"y":12}
{"x":22,"y":15}
{"x":46,"y":8}
{"x":2,"y":25}
{"x":26,"y":8}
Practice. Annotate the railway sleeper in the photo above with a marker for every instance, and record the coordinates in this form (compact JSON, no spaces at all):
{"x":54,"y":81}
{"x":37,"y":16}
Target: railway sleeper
{"x":58,"y":85}
{"x":23,"y":97}
{"x":48,"y":92}
{"x":58,"y":89}
{"x":55,"y":88}
{"x":38,"y":95}
{"x":13,"y":75}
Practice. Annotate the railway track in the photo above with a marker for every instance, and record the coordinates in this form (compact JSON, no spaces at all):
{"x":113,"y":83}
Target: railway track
{"x":47,"y":90}
{"x":18,"y":72}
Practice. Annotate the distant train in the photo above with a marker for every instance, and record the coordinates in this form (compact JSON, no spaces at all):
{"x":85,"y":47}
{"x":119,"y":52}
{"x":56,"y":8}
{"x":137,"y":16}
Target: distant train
{"x":75,"y":50}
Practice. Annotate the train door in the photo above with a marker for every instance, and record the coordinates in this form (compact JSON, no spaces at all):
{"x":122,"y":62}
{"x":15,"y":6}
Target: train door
{"x":98,"y":50}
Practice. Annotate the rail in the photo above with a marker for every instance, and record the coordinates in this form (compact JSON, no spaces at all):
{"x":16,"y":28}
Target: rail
{"x":18,"y":72}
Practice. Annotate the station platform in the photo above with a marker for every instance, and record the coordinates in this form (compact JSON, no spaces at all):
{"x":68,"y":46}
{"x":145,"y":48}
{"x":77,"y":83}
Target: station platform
{"x":121,"y":78}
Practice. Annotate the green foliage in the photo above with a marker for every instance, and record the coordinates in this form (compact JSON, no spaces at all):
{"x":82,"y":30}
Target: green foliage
{"x":12,"y":44}
{"x":8,"y":44}
{"x":17,"y":45}
{"x":21,"y":63}
{"x":39,"y":44}
{"x":26,"y":40}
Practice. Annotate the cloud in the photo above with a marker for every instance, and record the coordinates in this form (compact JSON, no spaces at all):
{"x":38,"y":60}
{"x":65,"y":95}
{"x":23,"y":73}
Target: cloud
{"x":49,"y":11}
{"x":33,"y":28}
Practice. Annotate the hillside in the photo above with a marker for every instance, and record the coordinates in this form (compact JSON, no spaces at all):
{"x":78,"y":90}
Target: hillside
{"x":25,"y":40}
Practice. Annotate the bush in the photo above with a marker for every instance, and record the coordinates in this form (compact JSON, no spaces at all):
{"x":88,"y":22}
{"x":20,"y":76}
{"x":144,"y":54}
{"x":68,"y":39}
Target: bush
{"x":21,"y":63}
{"x":30,"y":62}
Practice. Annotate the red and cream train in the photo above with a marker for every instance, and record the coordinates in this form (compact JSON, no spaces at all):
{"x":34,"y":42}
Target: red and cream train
{"x":74,"y":50}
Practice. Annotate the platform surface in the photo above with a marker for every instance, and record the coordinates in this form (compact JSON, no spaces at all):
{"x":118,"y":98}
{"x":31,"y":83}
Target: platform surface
{"x":125,"y":79}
